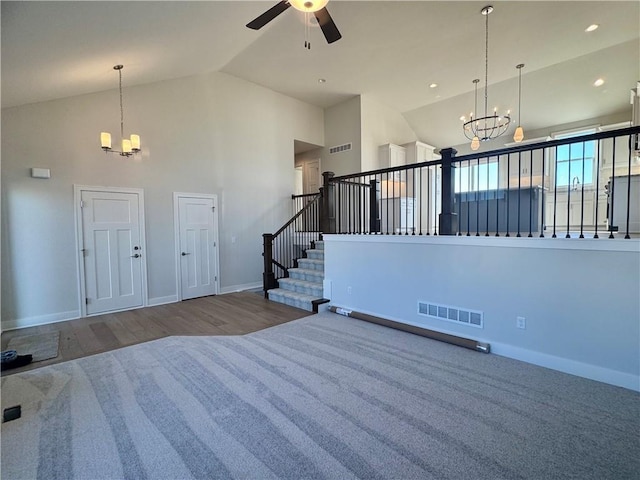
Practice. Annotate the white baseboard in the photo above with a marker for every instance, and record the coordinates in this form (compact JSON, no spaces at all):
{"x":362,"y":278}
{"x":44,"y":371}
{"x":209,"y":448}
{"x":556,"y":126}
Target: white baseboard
{"x":40,"y":320}
{"x":240,"y":288}
{"x":565,"y":365}
{"x":162,"y":300}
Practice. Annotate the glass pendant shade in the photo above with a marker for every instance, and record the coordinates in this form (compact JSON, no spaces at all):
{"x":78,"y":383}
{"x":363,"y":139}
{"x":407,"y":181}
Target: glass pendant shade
{"x":135,"y":142}
{"x":475,"y":144}
{"x":308,"y":6}
{"x":518,"y":136}
{"x":105,"y":140}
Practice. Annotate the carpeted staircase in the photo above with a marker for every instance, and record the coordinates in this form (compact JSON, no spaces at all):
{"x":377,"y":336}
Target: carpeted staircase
{"x":303,"y":288}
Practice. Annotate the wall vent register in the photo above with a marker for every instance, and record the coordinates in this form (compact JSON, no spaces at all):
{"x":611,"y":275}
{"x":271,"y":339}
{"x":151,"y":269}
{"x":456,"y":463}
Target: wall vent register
{"x":340,"y":148}
{"x":464,"y":316}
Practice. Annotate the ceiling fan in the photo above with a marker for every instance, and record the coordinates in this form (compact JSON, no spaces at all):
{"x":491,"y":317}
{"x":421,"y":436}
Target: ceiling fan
{"x":317,"y":7}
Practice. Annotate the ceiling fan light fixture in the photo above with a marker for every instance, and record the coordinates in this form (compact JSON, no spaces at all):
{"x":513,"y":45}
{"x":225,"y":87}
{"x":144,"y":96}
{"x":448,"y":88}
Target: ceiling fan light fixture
{"x":308,"y":6}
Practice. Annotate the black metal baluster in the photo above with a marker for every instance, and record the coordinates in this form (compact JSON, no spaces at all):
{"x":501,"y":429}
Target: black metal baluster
{"x":555,"y":189}
{"x":612,"y":187}
{"x":519,"y":189}
{"x":569,"y":195}
{"x":468,"y":198}
{"x":531,"y":192}
{"x":543,"y":221}
{"x":477,"y":197}
{"x":497,"y":195}
{"x":508,"y":193}
{"x":626,"y":236}
{"x":582,"y":199}
{"x":421,"y":195}
{"x":595,"y":235}
{"x":487,"y":198}
{"x":437,"y":197}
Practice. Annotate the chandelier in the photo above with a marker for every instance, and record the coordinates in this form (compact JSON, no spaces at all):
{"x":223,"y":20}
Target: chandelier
{"x":131,"y":145}
{"x":479,"y":129}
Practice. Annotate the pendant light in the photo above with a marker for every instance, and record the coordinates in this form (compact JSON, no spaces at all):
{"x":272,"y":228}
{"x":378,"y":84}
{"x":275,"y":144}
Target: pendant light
{"x":131,"y":145}
{"x":518,"y":136}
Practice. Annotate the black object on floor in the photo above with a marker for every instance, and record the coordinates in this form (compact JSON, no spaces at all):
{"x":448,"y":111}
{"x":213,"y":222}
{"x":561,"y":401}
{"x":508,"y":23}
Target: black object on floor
{"x":19,"y":361}
{"x":11,"y":413}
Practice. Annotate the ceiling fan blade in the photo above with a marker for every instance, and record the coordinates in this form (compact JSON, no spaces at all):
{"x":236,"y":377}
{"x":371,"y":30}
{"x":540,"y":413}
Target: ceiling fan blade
{"x":269,"y":15}
{"x":327,"y":25}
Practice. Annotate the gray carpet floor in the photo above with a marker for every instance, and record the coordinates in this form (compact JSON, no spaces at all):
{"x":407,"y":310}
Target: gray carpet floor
{"x":321,"y":397}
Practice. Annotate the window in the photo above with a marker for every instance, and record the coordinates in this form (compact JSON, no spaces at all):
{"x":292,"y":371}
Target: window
{"x":575,"y":162}
{"x":474,"y":177}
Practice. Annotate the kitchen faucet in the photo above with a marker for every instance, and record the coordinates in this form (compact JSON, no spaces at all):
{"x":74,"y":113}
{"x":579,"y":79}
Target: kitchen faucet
{"x":575,"y":183}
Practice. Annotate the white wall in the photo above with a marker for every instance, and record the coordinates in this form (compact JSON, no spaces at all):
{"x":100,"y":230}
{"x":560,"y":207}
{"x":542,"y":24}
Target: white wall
{"x":205,"y":134}
{"x":381,"y":125}
{"x":579,"y":297}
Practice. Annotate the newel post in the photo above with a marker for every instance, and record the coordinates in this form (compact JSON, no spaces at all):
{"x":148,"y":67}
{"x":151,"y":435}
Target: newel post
{"x":448,"y":220}
{"x":268,"y":277}
{"x":374,"y":211}
{"x":327,"y":212}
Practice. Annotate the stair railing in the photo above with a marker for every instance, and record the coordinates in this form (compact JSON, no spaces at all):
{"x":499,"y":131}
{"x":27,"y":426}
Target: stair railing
{"x":281,"y":250}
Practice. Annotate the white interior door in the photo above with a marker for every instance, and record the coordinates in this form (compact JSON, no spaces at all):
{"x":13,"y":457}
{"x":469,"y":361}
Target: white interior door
{"x":197,"y":244}
{"x":312,"y":176}
{"x":112,"y":248}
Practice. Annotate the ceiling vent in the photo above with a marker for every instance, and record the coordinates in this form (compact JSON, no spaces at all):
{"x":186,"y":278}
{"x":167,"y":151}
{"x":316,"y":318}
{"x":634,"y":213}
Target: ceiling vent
{"x":464,"y":316}
{"x":340,"y":148}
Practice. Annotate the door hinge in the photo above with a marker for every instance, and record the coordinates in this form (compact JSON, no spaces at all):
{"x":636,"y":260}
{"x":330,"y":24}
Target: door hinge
{"x":86,"y":301}
{"x":81,"y":203}
{"x":213,"y":209}
{"x":215,"y":244}
{"x":215,"y":279}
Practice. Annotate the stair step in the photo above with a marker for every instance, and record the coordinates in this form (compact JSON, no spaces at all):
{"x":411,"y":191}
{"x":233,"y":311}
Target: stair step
{"x":311,"y":264}
{"x":301,"y":286}
{"x":319,"y":245}
{"x":315,"y":254}
{"x":293,"y":299}
{"x":315,"y":276}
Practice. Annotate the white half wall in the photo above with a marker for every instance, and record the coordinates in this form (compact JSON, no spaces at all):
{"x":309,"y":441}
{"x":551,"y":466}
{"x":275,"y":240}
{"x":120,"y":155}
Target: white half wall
{"x":212,"y":134}
{"x":579,"y":297}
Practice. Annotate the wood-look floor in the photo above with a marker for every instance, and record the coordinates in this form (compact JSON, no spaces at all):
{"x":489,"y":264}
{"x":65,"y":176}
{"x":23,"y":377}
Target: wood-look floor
{"x":231,"y":314}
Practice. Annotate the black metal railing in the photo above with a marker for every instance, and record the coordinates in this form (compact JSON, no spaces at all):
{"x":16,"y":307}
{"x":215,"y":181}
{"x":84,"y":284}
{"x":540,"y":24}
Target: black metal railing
{"x":282,"y":249}
{"x":572,"y":187}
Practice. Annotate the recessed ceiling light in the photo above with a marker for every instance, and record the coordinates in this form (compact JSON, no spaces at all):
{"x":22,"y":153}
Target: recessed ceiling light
{"x":322,"y":80}
{"x":598,"y":83}
{"x":592,"y":27}
{"x":433,"y":85}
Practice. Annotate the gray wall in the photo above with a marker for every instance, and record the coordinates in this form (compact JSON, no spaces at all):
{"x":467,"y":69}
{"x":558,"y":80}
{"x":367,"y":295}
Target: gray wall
{"x":579,"y":297}
{"x":342,"y":125}
{"x":205,"y":134}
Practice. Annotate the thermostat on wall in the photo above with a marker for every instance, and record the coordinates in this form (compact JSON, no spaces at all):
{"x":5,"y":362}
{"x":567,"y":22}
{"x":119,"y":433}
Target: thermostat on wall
{"x":41,"y":173}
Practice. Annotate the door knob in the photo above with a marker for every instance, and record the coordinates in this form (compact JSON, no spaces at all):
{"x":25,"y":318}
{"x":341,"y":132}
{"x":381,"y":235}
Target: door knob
{"x":185,"y":253}
{"x":137,"y":255}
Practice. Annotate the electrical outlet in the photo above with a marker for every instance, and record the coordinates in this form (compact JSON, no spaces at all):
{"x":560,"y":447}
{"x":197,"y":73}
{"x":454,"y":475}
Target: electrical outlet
{"x":521,"y":322}
{"x":348,"y":290}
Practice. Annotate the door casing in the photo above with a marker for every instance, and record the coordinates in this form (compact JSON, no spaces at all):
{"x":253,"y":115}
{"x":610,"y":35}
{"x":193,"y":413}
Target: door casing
{"x":176,"y":223}
{"x":77,"y":197}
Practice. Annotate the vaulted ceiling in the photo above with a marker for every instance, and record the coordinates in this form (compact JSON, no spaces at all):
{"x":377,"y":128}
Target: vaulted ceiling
{"x":390,"y":50}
